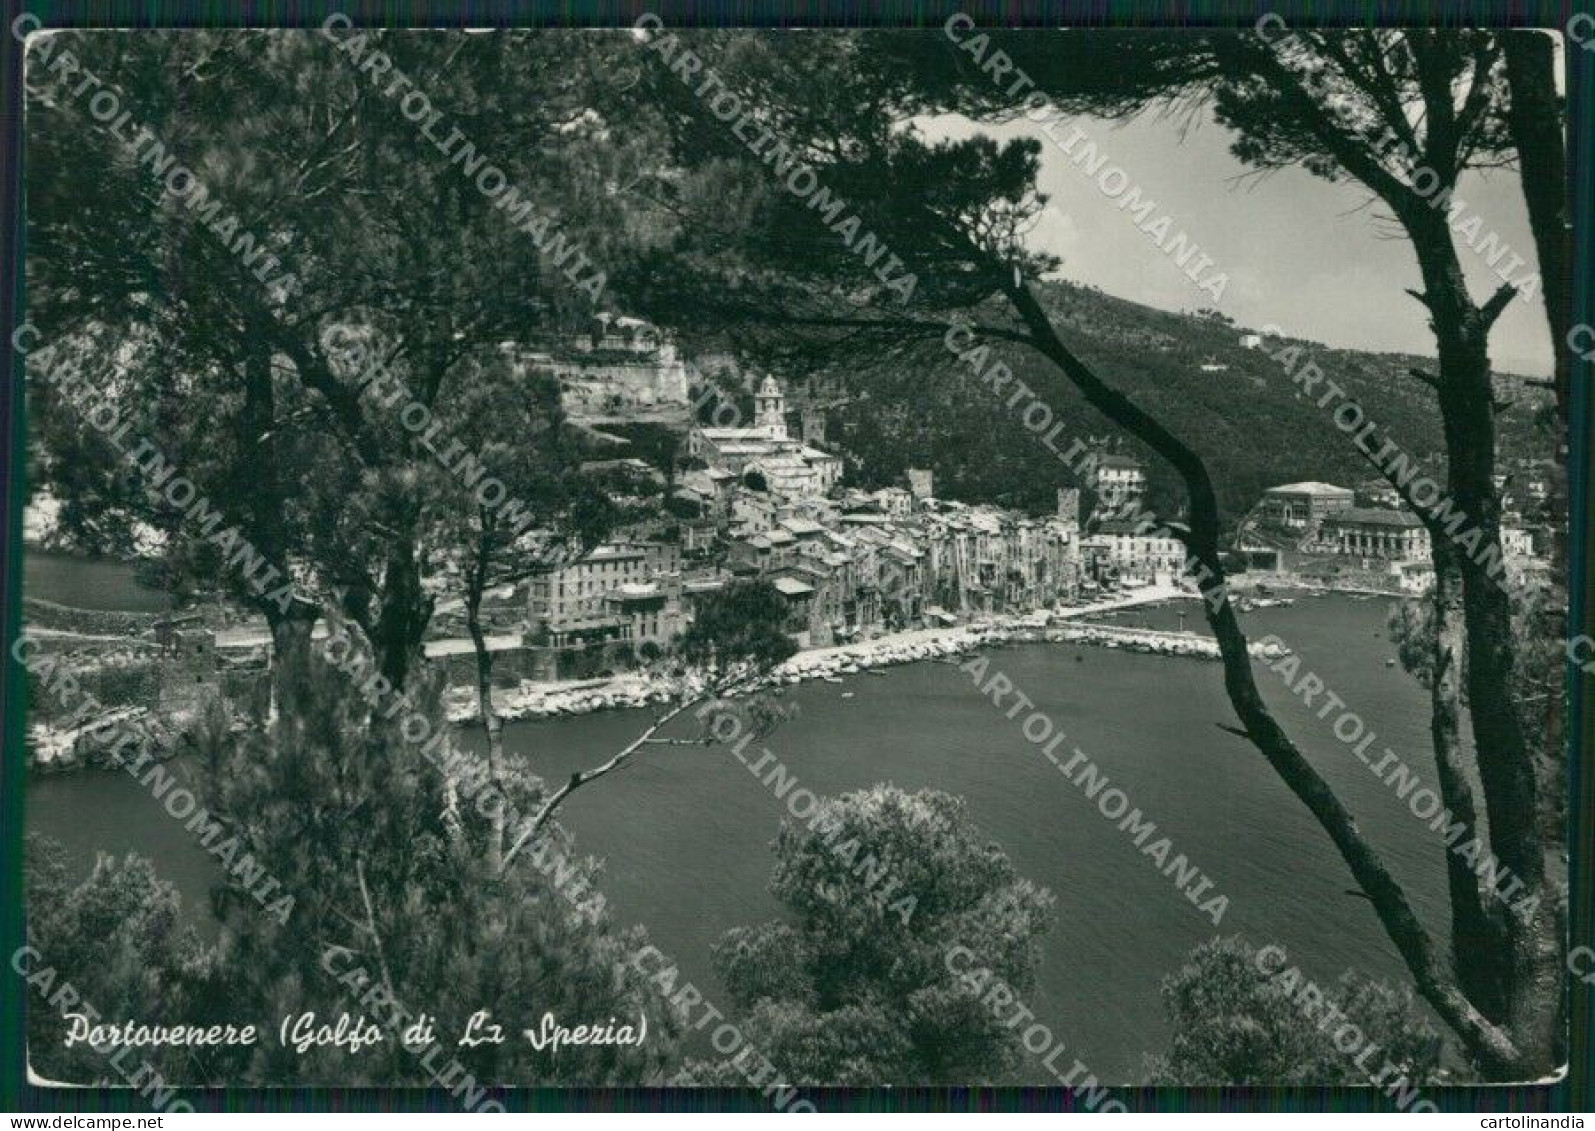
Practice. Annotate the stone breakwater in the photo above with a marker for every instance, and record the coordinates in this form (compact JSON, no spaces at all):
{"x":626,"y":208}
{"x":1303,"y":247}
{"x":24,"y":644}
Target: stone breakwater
{"x":1367,"y":583}
{"x":56,"y":748}
{"x":832,"y":663}
{"x":580,"y":697}
{"x":642,"y":689}
{"x":65,"y":746}
{"x":1156,"y":642}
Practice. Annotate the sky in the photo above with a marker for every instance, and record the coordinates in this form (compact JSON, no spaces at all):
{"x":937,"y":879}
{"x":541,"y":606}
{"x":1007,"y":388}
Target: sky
{"x":1314,"y":258}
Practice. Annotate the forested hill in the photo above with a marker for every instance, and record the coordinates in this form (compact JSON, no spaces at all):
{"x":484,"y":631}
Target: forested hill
{"x":1246,"y":420}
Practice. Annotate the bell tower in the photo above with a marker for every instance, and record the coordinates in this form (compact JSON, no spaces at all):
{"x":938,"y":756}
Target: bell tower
{"x":769,"y":414}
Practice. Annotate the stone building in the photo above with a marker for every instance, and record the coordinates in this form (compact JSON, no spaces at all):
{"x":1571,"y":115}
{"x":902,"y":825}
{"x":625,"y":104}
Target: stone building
{"x":646,"y":612}
{"x":1364,"y":532}
{"x":1135,"y":554}
{"x":620,"y":368}
{"x":1378,"y":492}
{"x":789,"y":467}
{"x":1069,"y":507}
{"x":1303,"y":506}
{"x":1120,"y":481}
{"x":190,"y":670}
{"x":597,"y":599}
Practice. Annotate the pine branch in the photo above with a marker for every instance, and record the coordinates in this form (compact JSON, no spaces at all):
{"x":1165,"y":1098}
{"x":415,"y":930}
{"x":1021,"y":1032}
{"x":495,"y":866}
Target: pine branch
{"x":371,"y":928}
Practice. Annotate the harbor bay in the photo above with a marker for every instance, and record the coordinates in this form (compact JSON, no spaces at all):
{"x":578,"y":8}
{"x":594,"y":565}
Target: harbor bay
{"x":685,"y":833}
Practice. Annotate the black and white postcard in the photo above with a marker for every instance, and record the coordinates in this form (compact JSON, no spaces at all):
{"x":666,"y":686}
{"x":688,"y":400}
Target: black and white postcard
{"x":744,"y":562}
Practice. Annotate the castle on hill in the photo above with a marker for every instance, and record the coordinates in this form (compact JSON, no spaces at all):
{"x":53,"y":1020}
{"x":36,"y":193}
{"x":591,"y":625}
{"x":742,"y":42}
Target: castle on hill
{"x":618,"y":369}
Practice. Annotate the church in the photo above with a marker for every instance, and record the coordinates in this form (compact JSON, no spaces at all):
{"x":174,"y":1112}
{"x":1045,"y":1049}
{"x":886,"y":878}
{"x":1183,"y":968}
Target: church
{"x":788,"y":466}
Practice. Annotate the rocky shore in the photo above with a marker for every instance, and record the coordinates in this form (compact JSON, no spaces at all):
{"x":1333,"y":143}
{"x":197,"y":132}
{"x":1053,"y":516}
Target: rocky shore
{"x":52,"y":748}
{"x":642,"y":689}
{"x":56,"y":748}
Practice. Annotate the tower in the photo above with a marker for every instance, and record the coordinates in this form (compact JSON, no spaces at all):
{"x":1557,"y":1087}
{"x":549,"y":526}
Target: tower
{"x":814,"y":427}
{"x":190,"y":673}
{"x":1069,"y":506}
{"x":769,"y":414}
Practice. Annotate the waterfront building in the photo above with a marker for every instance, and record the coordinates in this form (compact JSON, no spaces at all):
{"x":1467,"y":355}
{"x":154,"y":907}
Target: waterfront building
{"x":596,"y":599}
{"x":890,"y":592}
{"x":799,"y":597}
{"x":1303,"y":506}
{"x":1096,"y":564}
{"x":1134,"y":553}
{"x":1364,"y":532}
{"x":696,"y":589}
{"x":846,"y":573}
{"x":646,"y":612}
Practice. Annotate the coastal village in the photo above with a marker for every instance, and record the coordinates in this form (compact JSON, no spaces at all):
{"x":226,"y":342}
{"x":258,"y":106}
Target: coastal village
{"x":869,"y":577}
{"x":718,"y":569}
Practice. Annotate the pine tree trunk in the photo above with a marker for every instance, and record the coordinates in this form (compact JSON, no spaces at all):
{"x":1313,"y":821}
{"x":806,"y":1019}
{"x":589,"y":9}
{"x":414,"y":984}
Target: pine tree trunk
{"x":1531,"y":961}
{"x":403,"y":610}
{"x":264,"y":504}
{"x":491,"y":723}
{"x":1477,"y":935}
{"x":291,"y":669}
{"x":1535,"y":120}
{"x":1492,"y":1048}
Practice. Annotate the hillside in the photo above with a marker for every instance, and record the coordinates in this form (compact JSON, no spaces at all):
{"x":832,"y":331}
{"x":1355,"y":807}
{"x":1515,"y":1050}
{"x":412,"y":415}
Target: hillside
{"x":1246,"y":420}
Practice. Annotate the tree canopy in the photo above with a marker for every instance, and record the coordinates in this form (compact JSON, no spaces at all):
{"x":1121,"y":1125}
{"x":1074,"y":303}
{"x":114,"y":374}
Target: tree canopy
{"x":855,"y":985}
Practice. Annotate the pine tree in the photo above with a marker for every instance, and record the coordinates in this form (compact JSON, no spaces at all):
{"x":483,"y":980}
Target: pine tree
{"x":891,"y":900}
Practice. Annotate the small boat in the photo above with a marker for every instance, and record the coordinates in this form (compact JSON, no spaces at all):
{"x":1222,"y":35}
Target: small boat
{"x":847,"y":695}
{"x":1390,"y":663}
{"x":874,"y":671}
{"x":831,"y":678}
